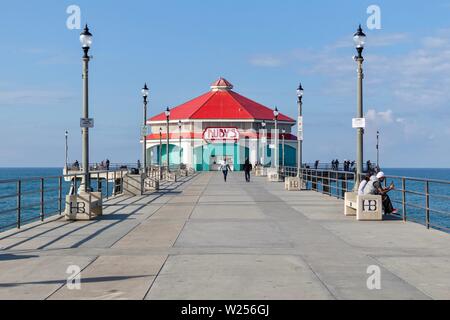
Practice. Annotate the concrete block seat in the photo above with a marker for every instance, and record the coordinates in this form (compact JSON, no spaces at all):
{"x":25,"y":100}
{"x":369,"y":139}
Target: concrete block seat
{"x":274,"y":176}
{"x":84,"y":206}
{"x":294,"y":184}
{"x":365,"y":208}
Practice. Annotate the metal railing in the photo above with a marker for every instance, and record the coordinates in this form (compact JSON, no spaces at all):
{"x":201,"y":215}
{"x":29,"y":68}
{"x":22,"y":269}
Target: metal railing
{"x":33,"y":199}
{"x":340,"y":166}
{"x":332,"y":183}
{"x":424,"y":201}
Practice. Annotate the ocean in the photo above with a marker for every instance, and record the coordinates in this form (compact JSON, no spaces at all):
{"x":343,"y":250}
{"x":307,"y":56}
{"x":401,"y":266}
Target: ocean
{"x":415,"y":210}
{"x":31,"y":197}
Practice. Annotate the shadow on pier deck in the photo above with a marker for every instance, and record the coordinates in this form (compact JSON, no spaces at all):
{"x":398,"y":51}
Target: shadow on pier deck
{"x":199,"y":238}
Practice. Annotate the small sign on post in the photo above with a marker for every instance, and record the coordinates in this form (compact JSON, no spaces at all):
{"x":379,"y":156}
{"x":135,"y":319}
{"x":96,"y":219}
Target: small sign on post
{"x":359,"y":123}
{"x":300,"y":123}
{"x":144,"y":131}
{"x":86,"y":123}
{"x":300,"y":128}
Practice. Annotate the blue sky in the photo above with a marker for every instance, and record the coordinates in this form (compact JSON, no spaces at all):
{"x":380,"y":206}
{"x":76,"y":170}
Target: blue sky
{"x":263,"y":47}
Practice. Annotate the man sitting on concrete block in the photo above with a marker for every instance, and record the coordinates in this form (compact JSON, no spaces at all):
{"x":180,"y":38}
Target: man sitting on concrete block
{"x":374,"y":187}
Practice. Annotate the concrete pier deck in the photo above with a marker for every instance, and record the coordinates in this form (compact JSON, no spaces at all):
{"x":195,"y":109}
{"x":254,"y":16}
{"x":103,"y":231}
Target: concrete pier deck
{"x":200,"y":238}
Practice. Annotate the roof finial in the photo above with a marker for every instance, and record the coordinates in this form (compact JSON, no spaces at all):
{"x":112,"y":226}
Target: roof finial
{"x":221,"y":84}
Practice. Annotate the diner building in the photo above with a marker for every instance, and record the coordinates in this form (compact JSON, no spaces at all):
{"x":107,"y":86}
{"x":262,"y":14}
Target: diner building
{"x":220,"y":125}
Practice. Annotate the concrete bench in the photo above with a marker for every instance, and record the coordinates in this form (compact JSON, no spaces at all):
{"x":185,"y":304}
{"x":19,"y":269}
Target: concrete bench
{"x":350,"y":204}
{"x":151,"y":184}
{"x":294,"y":184}
{"x":365,"y":208}
{"x":170,"y":176}
{"x":84,"y":206}
{"x":274,"y":176}
{"x":183,"y":172}
{"x":260,"y":171}
{"x":133,"y":184}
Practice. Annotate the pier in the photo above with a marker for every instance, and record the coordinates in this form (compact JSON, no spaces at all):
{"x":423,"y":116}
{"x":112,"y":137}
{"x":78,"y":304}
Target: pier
{"x":201,"y":238}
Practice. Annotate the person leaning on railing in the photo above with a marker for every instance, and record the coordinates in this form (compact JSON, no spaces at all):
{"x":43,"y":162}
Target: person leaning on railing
{"x":374,"y":187}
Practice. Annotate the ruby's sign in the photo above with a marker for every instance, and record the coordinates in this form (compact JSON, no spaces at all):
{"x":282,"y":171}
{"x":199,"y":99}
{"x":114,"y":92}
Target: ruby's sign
{"x":221,"y":134}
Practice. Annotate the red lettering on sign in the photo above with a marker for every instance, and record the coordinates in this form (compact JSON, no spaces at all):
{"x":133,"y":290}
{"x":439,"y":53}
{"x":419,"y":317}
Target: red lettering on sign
{"x":221,"y":134}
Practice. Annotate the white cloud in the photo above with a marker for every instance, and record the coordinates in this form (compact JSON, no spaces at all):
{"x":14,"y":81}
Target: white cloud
{"x":387,"y":116}
{"x":381,"y":117}
{"x":411,"y":80}
{"x":374,"y":41}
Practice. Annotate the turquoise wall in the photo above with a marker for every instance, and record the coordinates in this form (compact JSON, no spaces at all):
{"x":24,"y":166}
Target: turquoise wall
{"x":174,"y":154}
{"x":202,"y":155}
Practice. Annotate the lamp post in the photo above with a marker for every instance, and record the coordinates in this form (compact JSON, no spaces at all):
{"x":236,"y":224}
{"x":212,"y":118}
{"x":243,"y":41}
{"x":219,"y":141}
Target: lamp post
{"x":160,"y":154}
{"x":282,"y":150}
{"x":300,"y":130}
{"x":263,"y":148}
{"x":167,"y":141}
{"x":67,"y":150}
{"x":86,"y":42}
{"x":179,"y":131}
{"x":145,"y":93}
{"x":276,"y":155}
{"x":359,"y":39}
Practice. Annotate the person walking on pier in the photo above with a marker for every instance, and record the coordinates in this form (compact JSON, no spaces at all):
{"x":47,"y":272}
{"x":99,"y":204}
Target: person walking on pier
{"x":225,"y":167}
{"x":247,"y":168}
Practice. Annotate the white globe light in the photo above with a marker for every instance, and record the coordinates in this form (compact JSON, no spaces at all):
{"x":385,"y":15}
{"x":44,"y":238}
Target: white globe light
{"x":359,"y":38}
{"x":145,"y":91}
{"x":86,"y":38}
{"x":300,"y":91}
{"x":276,"y":113}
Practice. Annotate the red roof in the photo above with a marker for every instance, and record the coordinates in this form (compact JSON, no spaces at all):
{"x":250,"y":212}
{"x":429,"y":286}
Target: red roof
{"x":221,"y":103}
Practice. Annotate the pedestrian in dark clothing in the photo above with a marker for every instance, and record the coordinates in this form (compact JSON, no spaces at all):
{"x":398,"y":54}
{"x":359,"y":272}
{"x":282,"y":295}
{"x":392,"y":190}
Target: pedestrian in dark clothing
{"x":369,"y":166}
{"x":247,"y":169}
{"x":316,"y":164}
{"x":225,"y":167}
{"x":107,"y":164}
